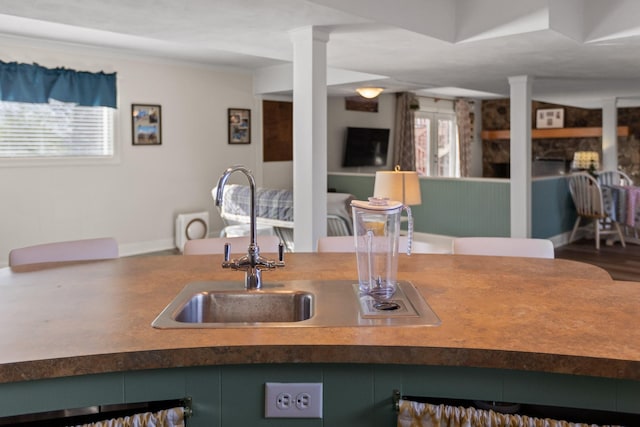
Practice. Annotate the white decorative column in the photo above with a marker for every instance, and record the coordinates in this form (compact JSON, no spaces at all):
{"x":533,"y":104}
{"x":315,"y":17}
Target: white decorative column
{"x":309,"y":137}
{"x":610,"y":134}
{"x":520,"y":148}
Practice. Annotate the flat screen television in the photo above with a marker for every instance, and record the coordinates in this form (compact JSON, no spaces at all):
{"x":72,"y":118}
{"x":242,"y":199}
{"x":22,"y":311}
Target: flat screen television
{"x":366,"y":147}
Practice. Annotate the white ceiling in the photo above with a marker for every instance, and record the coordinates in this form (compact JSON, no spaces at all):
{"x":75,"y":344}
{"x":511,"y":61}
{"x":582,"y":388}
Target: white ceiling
{"x":579,"y":52}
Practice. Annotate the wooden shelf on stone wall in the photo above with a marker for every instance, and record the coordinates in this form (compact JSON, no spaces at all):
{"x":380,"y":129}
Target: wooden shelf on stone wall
{"x":593,"y":132}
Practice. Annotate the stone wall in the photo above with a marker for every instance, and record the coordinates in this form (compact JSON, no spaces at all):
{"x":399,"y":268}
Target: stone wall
{"x":495,"y":154}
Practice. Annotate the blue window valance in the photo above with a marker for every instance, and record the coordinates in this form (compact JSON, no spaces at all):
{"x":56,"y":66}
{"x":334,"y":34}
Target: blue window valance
{"x":36,"y":84}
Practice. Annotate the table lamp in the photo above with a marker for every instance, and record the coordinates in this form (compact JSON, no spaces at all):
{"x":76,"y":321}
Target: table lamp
{"x":403,"y":186}
{"x":586,"y":159}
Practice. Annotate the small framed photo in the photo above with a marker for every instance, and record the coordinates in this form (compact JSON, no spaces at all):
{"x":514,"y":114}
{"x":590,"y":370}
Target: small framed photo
{"x":146,"y":124}
{"x":550,"y":118}
{"x":358,"y":103}
{"x":239,"y":126}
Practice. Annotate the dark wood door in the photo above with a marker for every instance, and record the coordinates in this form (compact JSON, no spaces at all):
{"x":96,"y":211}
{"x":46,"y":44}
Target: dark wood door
{"x":277,"y":125}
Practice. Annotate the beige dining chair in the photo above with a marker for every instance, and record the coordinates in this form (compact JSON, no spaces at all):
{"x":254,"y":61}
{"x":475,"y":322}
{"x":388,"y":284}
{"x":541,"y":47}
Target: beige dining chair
{"x":503,"y":246}
{"x":347,"y":244}
{"x":336,"y":244}
{"x":72,"y":250}
{"x":239,"y":245}
{"x":587,"y":198}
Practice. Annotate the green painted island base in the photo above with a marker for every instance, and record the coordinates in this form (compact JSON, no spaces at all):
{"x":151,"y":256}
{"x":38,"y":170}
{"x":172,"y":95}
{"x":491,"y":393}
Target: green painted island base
{"x":354,"y":395}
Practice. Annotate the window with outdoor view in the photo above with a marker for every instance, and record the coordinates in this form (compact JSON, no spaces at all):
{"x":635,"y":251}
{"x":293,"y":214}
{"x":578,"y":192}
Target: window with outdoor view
{"x":436,"y":144}
{"x":55,"y":113}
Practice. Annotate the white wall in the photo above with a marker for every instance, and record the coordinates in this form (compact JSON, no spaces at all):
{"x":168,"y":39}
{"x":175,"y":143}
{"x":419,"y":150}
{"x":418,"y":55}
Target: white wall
{"x":137,"y":198}
{"x":338,"y":119}
{"x":280,"y":174}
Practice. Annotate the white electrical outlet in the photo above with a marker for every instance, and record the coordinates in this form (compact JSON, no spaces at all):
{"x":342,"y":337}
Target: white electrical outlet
{"x":293,"y":400}
{"x":284,"y":401}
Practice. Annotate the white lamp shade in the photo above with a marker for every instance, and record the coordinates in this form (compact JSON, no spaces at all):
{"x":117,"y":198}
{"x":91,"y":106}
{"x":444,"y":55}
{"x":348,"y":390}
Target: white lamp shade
{"x":403,"y":186}
{"x":584,"y":159}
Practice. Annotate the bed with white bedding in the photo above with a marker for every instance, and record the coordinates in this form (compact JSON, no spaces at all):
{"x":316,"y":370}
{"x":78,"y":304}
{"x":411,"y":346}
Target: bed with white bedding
{"x":274,"y":208}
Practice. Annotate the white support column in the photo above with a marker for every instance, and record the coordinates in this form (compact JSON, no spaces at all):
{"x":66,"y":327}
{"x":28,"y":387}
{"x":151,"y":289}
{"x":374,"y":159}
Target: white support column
{"x":610,"y":134}
{"x":520,"y":147}
{"x":309,"y":137}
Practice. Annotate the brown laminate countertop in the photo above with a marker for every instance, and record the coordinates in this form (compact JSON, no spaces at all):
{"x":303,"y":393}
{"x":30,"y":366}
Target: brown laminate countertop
{"x":497,"y":312}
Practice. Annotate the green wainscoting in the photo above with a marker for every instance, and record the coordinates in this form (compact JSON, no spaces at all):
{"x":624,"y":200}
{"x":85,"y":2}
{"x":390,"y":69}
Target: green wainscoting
{"x":455,"y":207}
{"x":353,"y":395}
{"x":552,"y":210}
{"x":476,"y":207}
{"x":451,"y":207}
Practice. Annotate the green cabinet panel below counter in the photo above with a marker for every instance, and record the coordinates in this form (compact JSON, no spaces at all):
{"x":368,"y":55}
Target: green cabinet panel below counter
{"x":354,"y":395}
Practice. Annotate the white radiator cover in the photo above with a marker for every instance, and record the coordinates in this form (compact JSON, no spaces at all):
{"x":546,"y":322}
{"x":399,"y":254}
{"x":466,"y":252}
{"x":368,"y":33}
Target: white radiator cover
{"x":191,"y":226}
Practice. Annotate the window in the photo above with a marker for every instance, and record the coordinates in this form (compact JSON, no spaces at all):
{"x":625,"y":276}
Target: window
{"x":55,"y":130}
{"x":436,"y":144}
{"x":54,"y":113}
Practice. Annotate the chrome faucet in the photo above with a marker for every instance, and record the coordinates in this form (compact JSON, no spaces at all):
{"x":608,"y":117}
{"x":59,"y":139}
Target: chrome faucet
{"x":252,"y":263}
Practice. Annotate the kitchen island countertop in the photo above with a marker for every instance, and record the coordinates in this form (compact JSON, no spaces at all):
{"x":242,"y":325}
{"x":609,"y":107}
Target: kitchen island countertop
{"x":541,"y":315}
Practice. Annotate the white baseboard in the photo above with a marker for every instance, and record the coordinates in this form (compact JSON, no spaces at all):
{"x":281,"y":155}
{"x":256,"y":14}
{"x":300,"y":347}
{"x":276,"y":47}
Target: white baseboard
{"x":587,"y":231}
{"x":139,"y":248}
{"x":563,"y":239}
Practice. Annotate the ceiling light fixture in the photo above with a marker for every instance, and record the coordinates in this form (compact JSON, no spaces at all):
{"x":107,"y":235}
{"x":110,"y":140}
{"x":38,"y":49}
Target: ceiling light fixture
{"x":369,"y":92}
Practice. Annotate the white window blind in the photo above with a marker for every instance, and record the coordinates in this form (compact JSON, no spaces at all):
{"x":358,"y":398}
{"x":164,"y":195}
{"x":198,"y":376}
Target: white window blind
{"x":55,"y":130}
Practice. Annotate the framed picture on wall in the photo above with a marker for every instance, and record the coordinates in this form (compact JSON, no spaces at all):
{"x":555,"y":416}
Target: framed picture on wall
{"x":548,"y":118}
{"x":146,"y":124}
{"x":358,"y":103}
{"x":239,"y":126}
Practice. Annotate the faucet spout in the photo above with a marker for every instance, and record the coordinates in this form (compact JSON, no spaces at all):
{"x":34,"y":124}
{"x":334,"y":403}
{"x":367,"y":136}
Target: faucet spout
{"x":252,"y":263}
{"x":252,"y":185}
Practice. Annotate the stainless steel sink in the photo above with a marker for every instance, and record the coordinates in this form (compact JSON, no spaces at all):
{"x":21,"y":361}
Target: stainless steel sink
{"x":298,"y":303}
{"x":246,"y":306}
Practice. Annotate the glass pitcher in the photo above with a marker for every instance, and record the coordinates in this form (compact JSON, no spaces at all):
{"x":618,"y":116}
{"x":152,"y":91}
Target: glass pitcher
{"x":376,"y":229}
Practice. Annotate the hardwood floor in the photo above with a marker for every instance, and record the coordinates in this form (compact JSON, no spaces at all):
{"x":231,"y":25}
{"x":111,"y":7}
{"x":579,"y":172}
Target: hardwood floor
{"x":621,"y":263}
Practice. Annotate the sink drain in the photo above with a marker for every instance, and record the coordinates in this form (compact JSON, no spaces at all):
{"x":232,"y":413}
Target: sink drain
{"x":386,"y":305}
{"x":376,"y":308}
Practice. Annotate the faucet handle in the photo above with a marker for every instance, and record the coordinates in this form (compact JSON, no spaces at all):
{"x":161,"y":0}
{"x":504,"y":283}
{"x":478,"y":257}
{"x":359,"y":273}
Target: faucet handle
{"x":227,"y":252}
{"x":281,"y":252}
